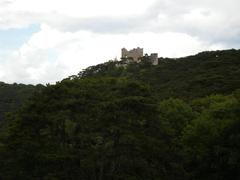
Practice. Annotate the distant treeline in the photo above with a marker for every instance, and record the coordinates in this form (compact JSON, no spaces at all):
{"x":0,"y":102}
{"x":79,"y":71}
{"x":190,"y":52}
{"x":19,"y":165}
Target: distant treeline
{"x":13,"y":95}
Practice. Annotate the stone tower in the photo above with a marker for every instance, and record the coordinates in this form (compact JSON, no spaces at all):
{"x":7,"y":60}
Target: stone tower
{"x":154,"y":58}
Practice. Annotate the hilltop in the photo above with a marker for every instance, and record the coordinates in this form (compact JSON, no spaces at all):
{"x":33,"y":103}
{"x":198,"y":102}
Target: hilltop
{"x":206,"y":73}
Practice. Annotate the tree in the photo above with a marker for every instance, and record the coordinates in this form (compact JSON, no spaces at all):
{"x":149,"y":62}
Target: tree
{"x":211,"y":141}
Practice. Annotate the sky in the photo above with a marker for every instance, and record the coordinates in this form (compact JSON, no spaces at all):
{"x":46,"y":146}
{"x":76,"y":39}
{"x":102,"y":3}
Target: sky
{"x":44,"y":41}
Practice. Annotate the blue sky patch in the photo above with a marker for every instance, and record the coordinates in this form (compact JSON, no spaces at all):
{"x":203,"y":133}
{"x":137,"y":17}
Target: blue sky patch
{"x":15,"y":37}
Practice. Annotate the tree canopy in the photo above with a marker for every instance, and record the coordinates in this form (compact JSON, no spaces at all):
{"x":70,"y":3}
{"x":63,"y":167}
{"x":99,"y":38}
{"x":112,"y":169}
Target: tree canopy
{"x":175,"y":121}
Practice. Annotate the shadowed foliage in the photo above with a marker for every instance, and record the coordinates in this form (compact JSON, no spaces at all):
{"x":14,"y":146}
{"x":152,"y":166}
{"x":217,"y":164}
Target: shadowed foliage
{"x":178,"y":120}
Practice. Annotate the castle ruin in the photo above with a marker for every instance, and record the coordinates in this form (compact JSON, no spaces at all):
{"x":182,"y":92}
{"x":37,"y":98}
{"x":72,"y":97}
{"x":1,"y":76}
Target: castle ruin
{"x":135,"y":53}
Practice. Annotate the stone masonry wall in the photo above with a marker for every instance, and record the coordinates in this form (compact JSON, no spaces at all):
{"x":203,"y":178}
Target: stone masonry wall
{"x":135,"y":53}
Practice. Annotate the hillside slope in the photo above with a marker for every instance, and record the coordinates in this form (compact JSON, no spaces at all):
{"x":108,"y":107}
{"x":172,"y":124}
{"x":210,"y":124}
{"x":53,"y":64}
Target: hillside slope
{"x":213,"y":72}
{"x":13,"y":95}
{"x":203,"y":74}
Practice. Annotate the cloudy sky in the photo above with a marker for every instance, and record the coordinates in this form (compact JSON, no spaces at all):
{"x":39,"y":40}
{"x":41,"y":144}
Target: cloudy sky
{"x":44,"y":41}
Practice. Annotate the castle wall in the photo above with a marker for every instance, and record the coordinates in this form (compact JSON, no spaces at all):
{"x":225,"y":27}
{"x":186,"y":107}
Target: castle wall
{"x":135,"y":53}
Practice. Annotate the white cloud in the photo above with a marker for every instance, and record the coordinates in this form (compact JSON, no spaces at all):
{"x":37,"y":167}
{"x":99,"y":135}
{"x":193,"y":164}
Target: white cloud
{"x":51,"y":55}
{"x":75,"y":33}
{"x":207,"y":19}
{"x":82,"y":8}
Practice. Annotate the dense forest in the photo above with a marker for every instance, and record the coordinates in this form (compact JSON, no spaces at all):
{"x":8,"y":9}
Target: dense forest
{"x":13,"y":95}
{"x":174,"y":121}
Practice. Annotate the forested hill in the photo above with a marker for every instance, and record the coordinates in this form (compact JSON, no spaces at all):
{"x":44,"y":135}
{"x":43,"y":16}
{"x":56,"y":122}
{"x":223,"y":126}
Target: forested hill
{"x":13,"y":95}
{"x":118,"y":122}
{"x":211,"y":72}
{"x":206,"y":73}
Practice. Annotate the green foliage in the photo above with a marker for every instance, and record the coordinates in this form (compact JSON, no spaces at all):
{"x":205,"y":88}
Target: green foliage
{"x":215,"y":72}
{"x":175,"y":114}
{"x":87,"y":129}
{"x":174,"y":121}
{"x":13,"y":95}
{"x":211,"y":141}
